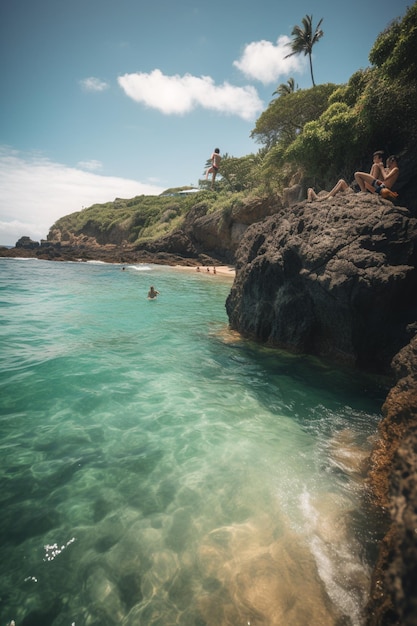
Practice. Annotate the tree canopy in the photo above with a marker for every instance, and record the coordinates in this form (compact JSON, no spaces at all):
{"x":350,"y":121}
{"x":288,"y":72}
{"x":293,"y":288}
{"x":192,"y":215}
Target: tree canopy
{"x":304,"y":38}
{"x":285,"y":117}
{"x":396,"y":44}
{"x":285,"y":88}
{"x":375,"y":110}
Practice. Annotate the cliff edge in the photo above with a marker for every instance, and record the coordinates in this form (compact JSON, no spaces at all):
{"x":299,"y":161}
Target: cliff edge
{"x":335,"y":278}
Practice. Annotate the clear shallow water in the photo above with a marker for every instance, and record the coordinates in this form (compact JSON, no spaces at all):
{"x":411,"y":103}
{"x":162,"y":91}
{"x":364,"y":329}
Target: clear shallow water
{"x":157,"y":470}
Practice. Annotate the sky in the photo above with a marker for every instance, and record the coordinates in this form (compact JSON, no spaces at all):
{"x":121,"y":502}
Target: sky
{"x":102,"y":99}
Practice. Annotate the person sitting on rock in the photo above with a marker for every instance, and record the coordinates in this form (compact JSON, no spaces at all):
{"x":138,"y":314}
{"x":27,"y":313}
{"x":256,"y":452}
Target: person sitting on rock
{"x":377,"y":171}
{"x":382,"y":184}
{"x":341,"y":185}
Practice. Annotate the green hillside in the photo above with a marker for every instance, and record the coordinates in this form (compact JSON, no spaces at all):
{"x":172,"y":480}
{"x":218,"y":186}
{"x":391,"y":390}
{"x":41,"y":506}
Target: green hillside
{"x":134,"y":220}
{"x":311,"y":137}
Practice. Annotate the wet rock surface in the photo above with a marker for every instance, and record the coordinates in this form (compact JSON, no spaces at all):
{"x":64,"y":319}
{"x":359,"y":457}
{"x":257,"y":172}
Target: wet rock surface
{"x":394,"y":482}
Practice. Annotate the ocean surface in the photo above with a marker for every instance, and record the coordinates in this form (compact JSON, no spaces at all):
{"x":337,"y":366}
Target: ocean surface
{"x":156,"y":469}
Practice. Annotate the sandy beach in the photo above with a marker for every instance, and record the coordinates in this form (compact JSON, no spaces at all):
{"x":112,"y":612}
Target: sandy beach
{"x":222,"y":270}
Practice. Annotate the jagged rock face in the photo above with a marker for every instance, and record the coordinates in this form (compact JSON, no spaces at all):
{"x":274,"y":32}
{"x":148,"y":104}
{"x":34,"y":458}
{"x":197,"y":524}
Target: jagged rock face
{"x":215,"y":234}
{"x":394,"y":481}
{"x":219,"y":233}
{"x":27,"y":243}
{"x":335,"y":278}
{"x":175,"y":243}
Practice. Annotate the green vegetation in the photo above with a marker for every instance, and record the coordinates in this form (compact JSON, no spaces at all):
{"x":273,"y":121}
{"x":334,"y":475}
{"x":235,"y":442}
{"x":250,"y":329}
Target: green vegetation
{"x":285,"y":117}
{"x":139,"y":219}
{"x":285,"y":88}
{"x":304,"y":38}
{"x":313,"y":136}
{"x":325,"y":133}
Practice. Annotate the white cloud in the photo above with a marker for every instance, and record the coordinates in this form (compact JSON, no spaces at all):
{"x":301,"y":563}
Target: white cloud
{"x":93,"y":84}
{"x":266,"y":62}
{"x":91,"y":165}
{"x":176,"y":95}
{"x":35,"y":192}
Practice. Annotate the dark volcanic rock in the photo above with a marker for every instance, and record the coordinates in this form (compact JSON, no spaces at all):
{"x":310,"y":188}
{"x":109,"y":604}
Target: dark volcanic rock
{"x":174,"y":243}
{"x":335,"y":278}
{"x":218,"y":234}
{"x":394,"y":483}
{"x":27,"y":243}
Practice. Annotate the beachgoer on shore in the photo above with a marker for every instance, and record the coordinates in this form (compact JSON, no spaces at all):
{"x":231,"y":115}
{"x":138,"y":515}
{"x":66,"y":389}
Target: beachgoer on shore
{"x":377,"y":170}
{"x":152,"y":293}
{"x":382,"y":184}
{"x":215,"y":164}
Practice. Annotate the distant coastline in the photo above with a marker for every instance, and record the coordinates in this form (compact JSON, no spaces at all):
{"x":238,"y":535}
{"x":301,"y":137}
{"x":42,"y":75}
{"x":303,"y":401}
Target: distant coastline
{"x":117,"y":255}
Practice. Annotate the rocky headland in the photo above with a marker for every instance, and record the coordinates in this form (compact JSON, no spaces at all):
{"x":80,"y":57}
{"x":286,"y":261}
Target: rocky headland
{"x":335,"y":278}
{"x":204,"y":238}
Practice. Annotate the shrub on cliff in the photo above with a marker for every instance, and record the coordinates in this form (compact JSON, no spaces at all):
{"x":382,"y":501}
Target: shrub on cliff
{"x":329,"y":131}
{"x":138,"y":219}
{"x":376,"y":109}
{"x":286,"y":116}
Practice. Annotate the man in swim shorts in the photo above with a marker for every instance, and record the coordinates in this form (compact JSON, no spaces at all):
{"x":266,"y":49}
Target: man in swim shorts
{"x":377,"y":171}
{"x":382,"y":184}
{"x":215,"y":164}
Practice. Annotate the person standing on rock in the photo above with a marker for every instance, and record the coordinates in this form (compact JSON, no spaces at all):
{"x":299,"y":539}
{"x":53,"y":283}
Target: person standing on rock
{"x":380,"y":184}
{"x":215,"y":164}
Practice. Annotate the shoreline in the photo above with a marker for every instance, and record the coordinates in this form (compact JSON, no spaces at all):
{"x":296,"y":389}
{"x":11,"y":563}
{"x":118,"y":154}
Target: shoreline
{"x":221,"y":270}
{"x":118,"y":257}
{"x":225,"y":271}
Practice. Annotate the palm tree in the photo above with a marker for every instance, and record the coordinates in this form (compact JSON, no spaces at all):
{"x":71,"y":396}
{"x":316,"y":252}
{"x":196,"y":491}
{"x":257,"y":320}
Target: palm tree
{"x":285,"y":88}
{"x":304,"y":40}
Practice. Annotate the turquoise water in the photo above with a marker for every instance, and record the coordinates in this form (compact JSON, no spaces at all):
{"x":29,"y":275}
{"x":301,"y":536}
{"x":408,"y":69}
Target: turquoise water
{"x":155,"y":469}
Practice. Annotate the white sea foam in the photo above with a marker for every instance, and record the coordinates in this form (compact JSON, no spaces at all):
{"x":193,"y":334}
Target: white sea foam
{"x":94,"y":262}
{"x":336,"y":552}
{"x":141,"y":267}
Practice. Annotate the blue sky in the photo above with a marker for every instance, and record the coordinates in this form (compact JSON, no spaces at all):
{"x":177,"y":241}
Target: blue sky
{"x":115,"y":98}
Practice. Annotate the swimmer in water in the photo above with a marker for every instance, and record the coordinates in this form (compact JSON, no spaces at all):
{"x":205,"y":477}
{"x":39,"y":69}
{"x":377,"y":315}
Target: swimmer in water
{"x":152,"y":293}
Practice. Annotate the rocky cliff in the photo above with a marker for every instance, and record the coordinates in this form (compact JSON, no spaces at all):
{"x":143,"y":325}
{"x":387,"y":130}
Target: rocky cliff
{"x":203,"y":237}
{"x":393,"y":478}
{"x":338,"y":278}
{"x":335,"y":278}
{"x":215,"y":235}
